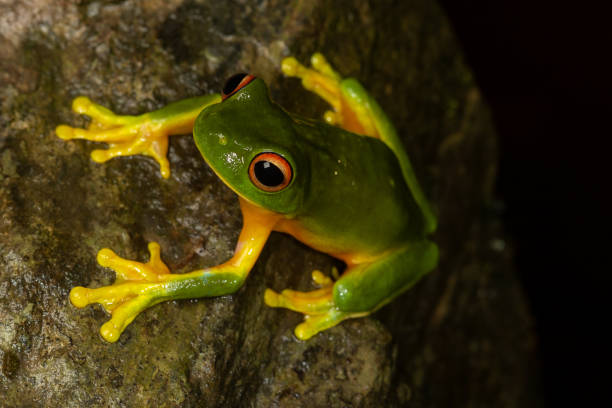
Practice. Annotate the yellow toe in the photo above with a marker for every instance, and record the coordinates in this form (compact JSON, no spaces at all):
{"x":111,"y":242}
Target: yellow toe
{"x":290,"y":66}
{"x":109,"y":332}
{"x":64,"y":132}
{"x":320,"y":279}
{"x":164,"y":169}
{"x":105,"y":257}
{"x":99,"y":156}
{"x":303,"y":331}
{"x":81,"y":104}
{"x":330,"y":117}
{"x":271,"y":298}
{"x":78,"y":297}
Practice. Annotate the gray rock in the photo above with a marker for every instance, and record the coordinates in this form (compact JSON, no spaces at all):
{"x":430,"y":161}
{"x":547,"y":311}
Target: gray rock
{"x":462,"y":337}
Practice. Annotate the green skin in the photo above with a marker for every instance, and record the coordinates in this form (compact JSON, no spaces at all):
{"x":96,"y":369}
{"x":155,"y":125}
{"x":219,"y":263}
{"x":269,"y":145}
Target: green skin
{"x":351,"y":196}
{"x":351,"y":193}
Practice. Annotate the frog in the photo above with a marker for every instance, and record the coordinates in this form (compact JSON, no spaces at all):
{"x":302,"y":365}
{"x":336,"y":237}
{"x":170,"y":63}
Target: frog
{"x":343,"y":186}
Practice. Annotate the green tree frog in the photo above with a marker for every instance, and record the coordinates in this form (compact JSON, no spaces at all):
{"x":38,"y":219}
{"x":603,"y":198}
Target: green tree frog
{"x":343,"y":186}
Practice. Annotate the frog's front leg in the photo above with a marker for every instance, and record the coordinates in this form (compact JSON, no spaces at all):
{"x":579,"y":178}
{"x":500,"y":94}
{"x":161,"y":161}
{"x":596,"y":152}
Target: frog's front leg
{"x":361,"y":290}
{"x":143,"y":134}
{"x":141,"y":285}
{"x":351,"y":105}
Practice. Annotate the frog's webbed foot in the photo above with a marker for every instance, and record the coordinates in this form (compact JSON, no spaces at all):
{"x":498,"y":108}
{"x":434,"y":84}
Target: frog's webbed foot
{"x":350,"y":110}
{"x":143,"y":134}
{"x":126,"y":135}
{"x":318,"y":307}
{"x":137,"y":287}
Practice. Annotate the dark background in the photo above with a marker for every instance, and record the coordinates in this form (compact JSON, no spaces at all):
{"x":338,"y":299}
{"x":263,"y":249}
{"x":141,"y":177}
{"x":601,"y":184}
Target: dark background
{"x":544,"y":68}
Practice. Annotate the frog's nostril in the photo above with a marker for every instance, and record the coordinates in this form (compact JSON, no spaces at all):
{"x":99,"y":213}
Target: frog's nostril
{"x":235,"y":83}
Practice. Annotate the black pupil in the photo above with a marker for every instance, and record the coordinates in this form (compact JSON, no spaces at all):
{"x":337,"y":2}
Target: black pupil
{"x":232,"y":83}
{"x":268,"y":174}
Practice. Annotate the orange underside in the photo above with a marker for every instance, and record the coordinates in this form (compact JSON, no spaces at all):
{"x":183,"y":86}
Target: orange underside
{"x":291,"y":227}
{"x":350,"y":120}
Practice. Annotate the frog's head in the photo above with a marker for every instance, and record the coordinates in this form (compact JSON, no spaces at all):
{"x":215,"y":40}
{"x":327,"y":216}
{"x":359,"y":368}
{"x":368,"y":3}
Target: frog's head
{"x":252,"y":145}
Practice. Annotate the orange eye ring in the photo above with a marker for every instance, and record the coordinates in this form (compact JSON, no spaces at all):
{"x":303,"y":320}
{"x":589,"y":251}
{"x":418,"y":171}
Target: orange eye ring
{"x":270,"y":172}
{"x":235,"y":83}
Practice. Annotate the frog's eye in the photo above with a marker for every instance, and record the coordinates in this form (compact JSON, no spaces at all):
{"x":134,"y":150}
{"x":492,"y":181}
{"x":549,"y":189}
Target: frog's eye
{"x":270,"y":172}
{"x":234,"y":84}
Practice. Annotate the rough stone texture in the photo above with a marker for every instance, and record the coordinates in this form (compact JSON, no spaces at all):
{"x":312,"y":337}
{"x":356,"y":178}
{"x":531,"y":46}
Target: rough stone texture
{"x":460,"y":338}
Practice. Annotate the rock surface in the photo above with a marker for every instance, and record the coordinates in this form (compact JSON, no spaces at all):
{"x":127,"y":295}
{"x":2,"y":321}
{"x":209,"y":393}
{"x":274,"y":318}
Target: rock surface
{"x":462,"y":337}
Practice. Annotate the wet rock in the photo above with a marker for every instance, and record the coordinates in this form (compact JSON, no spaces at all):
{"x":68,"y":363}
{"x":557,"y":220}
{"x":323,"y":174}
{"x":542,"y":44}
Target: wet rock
{"x":461,"y":337}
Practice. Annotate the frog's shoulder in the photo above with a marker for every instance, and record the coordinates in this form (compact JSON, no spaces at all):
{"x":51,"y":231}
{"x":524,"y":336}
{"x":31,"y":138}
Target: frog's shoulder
{"x":319,"y":137}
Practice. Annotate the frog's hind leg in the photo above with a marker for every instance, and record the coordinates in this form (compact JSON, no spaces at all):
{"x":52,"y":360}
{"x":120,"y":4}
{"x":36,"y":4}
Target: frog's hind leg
{"x":361,"y":290}
{"x":317,"y":306}
{"x":313,"y":302}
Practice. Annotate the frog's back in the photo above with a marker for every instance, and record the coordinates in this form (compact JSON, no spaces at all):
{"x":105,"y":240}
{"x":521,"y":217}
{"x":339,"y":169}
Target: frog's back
{"x":356,"y":198}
